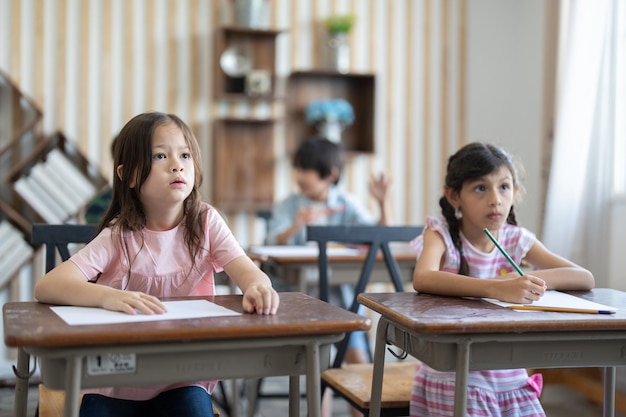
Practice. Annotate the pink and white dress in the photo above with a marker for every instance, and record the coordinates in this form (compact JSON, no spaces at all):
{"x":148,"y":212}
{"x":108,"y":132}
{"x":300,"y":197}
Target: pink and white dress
{"x":500,"y":393}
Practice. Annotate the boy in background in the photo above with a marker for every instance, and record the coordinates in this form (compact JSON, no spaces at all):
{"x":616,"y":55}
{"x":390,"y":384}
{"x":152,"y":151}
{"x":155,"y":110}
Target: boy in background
{"x":317,"y":165}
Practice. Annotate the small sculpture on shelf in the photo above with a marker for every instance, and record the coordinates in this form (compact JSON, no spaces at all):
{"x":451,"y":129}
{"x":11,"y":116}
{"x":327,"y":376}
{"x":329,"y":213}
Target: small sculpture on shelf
{"x":330,"y":117}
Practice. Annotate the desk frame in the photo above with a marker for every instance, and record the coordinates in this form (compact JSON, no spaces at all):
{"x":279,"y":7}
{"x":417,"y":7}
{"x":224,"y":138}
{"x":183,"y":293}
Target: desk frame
{"x":463,"y":351}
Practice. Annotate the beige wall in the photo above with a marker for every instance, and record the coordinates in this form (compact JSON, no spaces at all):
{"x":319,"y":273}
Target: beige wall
{"x":447,"y":72}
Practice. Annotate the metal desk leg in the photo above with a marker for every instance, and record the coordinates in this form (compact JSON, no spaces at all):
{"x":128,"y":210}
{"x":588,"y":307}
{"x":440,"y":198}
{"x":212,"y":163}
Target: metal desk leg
{"x":462,"y":369}
{"x":22,"y":375}
{"x":72,"y":385}
{"x":379,"y":367}
{"x":609,"y":391}
{"x":233,"y":410}
{"x":313,"y":380}
{"x":294,"y":395}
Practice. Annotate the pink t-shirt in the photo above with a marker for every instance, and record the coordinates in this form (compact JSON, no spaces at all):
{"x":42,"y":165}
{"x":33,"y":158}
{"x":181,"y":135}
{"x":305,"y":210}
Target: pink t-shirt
{"x":161,"y":266}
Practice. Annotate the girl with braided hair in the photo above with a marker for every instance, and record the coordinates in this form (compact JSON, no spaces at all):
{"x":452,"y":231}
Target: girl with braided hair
{"x":456,"y":258}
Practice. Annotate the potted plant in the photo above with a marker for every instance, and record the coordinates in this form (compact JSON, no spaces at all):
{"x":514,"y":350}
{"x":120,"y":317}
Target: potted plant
{"x":338,"y":27}
{"x":340,"y":23}
{"x":330,"y":117}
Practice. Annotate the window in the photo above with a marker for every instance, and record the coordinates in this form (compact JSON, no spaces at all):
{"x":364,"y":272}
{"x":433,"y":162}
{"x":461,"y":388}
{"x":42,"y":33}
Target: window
{"x":619,"y":162}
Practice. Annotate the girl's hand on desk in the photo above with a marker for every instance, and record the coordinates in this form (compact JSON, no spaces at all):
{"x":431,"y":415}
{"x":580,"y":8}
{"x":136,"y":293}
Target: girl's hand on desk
{"x":132,"y":301}
{"x":260,"y":299}
{"x":515,"y":289}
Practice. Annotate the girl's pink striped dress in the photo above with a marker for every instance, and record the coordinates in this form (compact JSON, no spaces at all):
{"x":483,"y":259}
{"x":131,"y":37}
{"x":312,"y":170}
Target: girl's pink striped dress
{"x":505,"y":393}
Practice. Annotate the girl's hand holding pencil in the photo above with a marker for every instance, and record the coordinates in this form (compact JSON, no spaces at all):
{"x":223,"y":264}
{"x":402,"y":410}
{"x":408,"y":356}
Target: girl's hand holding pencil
{"x":521,"y":290}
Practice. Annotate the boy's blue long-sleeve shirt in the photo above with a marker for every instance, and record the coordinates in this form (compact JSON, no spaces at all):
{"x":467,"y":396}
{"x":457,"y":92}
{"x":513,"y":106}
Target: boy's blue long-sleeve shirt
{"x":351,"y":214}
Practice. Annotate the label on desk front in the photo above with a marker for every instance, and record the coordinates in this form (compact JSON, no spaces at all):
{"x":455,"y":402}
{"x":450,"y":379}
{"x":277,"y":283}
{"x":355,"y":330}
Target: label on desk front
{"x":111,"y":363}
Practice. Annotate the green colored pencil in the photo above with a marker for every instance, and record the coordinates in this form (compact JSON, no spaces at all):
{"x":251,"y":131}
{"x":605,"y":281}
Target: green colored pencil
{"x":506,"y":255}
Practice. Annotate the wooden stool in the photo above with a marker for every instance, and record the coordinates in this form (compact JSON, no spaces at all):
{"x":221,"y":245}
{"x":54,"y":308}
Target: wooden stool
{"x":354,"y":381}
{"x":51,"y":403}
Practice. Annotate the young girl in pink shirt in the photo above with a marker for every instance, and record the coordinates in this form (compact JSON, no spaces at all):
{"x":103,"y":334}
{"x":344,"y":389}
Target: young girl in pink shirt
{"x":157,"y":239}
{"x":456,"y":258}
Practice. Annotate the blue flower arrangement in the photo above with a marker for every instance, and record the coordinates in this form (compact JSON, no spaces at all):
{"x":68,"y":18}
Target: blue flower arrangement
{"x":328,"y":111}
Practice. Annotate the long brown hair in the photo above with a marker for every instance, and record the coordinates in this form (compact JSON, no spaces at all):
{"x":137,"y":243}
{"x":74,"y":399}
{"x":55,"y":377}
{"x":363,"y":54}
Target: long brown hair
{"x":133,"y":151}
{"x":473,"y":161}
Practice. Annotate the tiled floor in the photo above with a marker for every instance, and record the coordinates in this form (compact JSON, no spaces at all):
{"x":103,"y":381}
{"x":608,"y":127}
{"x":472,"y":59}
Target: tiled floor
{"x":558,"y":401}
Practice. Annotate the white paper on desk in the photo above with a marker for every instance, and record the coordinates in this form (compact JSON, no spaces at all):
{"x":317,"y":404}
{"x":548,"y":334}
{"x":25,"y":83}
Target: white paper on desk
{"x":304,"y":250}
{"x":183,"y":309}
{"x":558,"y":299}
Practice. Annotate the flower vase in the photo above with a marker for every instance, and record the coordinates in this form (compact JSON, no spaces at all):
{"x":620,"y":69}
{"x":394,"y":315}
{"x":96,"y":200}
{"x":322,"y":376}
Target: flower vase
{"x":331,"y":130}
{"x":252,"y":13}
{"x":339,"y":52}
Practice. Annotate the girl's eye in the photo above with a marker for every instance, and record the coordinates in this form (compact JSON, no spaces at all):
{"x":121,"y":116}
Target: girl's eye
{"x":157,"y":156}
{"x":186,"y":156}
{"x":480,"y":188}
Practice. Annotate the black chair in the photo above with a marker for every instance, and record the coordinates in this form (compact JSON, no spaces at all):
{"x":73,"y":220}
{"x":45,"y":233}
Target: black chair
{"x":58,"y":237}
{"x":353,"y":382}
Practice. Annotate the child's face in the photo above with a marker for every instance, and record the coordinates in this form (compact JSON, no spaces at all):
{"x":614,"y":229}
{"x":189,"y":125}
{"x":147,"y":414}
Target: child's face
{"x":311,"y":185}
{"x":172,"y":174}
{"x":485,"y":202}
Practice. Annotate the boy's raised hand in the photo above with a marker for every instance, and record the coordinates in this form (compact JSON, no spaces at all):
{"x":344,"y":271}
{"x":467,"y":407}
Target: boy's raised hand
{"x":379,"y":186}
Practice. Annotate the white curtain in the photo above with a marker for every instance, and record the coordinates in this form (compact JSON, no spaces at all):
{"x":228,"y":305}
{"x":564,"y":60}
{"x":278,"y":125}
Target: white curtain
{"x":580,"y":185}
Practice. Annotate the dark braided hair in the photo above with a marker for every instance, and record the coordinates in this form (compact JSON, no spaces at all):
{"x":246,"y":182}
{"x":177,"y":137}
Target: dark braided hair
{"x":472,"y":161}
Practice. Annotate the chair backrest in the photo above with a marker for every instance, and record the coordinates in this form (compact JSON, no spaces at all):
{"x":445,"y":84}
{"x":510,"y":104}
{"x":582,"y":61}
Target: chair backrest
{"x":377,"y":238}
{"x":57,"y":237}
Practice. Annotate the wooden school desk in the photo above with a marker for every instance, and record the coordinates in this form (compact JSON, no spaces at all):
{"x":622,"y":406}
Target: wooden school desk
{"x":458,"y":334}
{"x":296,"y":341}
{"x":298,"y":266}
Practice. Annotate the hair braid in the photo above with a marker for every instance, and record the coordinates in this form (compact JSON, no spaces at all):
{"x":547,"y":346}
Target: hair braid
{"x":453,"y":226}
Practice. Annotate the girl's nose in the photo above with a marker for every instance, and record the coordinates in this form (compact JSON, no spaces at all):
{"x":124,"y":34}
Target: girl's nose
{"x":495,"y":199}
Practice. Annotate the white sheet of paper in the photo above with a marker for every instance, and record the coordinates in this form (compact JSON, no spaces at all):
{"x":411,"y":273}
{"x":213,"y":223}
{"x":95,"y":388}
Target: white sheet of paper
{"x":183,"y":309}
{"x":560,"y":300}
{"x":305,"y":250}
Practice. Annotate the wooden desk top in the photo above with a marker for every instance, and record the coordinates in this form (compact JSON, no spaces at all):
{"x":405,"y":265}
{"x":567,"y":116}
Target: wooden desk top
{"x":34,"y":325}
{"x":432,"y":314}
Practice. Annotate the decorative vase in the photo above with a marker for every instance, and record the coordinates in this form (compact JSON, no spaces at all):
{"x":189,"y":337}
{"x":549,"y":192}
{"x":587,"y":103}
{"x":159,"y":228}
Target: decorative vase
{"x":252,"y":13}
{"x":339,"y":52}
{"x":331,"y":130}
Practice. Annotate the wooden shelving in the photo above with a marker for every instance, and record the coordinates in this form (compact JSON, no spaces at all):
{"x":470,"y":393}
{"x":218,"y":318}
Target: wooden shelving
{"x":19,"y":114}
{"x":258,"y":45}
{"x":357,"y":89}
{"x":243,"y":148}
{"x":243,"y":164}
{"x":67,"y":182}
